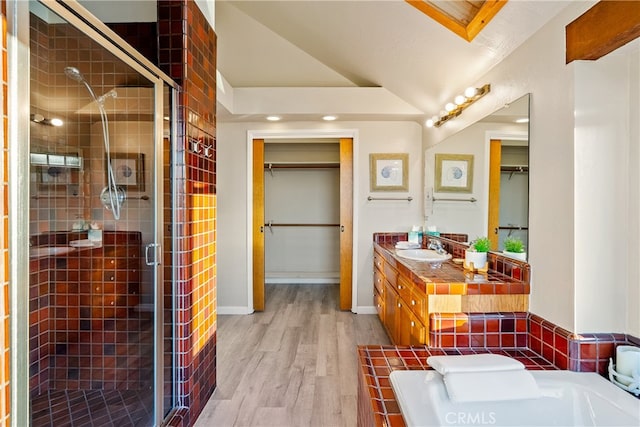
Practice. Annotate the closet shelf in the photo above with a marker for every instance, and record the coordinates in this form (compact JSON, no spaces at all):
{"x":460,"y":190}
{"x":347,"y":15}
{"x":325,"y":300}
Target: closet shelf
{"x":278,"y":224}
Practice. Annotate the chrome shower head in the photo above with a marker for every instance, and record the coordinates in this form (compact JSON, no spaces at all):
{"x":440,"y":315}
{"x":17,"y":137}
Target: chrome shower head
{"x":74,"y":73}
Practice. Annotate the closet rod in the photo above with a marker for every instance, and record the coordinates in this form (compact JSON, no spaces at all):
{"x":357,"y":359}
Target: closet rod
{"x":439,"y":199}
{"x":408,"y":199}
{"x":514,"y":169}
{"x":301,"y":165}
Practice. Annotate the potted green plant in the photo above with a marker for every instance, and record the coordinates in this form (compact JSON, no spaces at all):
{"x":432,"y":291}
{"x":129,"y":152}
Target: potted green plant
{"x":477,"y":252}
{"x":513,"y":247}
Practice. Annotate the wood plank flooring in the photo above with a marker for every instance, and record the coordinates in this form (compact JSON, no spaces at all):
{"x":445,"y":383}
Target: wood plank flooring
{"x":294,"y":364}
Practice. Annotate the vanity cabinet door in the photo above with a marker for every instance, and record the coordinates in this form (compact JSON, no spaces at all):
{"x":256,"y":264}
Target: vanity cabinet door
{"x":378,"y":302}
{"x":391,"y":312}
{"x":418,"y":304}
{"x":417,"y":331}
{"x":378,"y":281}
{"x":411,"y":331}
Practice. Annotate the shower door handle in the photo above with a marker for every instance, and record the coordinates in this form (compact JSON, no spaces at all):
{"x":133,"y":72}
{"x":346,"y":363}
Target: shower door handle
{"x":151,"y":260}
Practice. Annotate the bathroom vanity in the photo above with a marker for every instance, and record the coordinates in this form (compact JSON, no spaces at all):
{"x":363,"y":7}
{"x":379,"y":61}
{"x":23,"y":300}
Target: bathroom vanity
{"x":409,"y":295}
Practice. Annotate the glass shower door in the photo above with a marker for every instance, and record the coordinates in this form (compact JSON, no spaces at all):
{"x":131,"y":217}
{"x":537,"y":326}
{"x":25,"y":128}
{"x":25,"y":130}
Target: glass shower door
{"x":96,"y":190}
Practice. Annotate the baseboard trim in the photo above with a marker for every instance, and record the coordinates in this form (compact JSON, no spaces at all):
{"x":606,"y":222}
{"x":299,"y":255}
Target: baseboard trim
{"x":223,"y":310}
{"x":366,"y":309}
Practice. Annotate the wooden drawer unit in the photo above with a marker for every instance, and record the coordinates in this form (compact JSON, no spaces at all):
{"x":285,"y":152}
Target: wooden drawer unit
{"x":400,"y":304}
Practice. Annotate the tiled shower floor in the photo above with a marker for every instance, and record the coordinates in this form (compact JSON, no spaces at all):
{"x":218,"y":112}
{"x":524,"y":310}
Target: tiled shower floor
{"x":75,"y":408}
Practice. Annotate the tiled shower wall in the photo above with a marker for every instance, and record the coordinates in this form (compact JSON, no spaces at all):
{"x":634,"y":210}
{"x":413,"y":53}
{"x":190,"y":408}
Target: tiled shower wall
{"x":187,"y":53}
{"x":5,"y":396}
{"x":86,"y":332}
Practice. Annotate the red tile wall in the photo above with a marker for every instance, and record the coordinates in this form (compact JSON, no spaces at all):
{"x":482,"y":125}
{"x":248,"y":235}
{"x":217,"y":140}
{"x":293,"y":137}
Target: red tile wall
{"x":577,"y":352}
{"x":479,"y":330}
{"x":5,"y":350}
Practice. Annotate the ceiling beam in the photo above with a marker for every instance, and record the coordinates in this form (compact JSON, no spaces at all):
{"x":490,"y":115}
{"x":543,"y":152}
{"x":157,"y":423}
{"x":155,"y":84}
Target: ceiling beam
{"x":602,"y":29}
{"x":477,"y":22}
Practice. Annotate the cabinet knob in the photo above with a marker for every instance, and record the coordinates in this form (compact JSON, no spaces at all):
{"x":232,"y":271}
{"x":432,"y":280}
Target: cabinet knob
{"x":399,"y":305}
{"x":399,"y":287}
{"x":413,"y":302}
{"x":413,"y":323}
{"x":378,"y":305}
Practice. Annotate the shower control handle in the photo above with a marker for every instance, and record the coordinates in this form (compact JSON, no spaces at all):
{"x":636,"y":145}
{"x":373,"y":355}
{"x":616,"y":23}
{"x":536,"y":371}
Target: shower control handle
{"x":153,"y":260}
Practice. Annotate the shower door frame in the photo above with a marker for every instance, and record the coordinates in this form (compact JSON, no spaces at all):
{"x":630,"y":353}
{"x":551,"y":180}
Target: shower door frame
{"x":18,"y":44}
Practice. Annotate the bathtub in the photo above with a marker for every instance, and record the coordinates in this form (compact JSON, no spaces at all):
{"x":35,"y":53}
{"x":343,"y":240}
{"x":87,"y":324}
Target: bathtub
{"x":568,"y":399}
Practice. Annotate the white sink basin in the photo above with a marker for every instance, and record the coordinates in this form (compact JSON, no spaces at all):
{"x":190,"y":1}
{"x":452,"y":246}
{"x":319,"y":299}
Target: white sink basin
{"x":42,"y":251}
{"x":426,"y":255}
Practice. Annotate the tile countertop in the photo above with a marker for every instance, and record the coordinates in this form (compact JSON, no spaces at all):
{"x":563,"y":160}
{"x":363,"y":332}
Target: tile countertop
{"x":377,"y":405}
{"x":450,"y":278}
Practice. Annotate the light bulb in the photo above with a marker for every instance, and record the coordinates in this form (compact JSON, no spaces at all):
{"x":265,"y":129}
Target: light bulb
{"x":450,"y":106}
{"x":429,"y":123}
{"x":459,"y":100}
{"x":470,"y":92}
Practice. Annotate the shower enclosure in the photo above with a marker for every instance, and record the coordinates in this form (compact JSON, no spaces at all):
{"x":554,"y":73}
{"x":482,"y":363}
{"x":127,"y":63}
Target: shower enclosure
{"x":100,"y":287}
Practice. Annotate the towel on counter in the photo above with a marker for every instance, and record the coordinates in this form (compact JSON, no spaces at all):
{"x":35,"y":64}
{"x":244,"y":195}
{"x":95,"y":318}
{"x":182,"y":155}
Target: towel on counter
{"x":473,"y":363}
{"x":489,"y":386}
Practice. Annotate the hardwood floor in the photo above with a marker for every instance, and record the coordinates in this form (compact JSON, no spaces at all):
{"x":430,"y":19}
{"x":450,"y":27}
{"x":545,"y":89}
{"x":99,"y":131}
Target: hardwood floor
{"x":294,"y":364}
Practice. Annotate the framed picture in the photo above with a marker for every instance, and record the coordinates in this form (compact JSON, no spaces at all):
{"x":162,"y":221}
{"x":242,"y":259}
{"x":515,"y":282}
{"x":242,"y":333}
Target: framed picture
{"x":128,"y":169}
{"x":389,"y":171}
{"x":454,"y":173}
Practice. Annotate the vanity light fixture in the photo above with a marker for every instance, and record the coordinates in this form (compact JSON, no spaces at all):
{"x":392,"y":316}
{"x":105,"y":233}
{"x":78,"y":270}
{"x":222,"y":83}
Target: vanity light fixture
{"x":329,"y":118}
{"x":460,"y":102}
{"x":273,"y":118}
{"x":39,"y":118}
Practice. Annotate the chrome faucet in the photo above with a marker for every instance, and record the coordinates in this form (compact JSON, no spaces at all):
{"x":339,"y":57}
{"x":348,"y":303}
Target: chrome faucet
{"x":436,"y":245}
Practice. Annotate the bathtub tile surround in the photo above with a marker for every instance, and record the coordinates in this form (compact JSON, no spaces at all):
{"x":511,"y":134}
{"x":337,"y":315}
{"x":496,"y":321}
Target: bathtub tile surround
{"x":479,"y":330}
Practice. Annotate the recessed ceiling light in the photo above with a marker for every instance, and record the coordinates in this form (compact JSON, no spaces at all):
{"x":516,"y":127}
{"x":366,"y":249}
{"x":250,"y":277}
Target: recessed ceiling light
{"x":329,"y":118}
{"x":523,"y":120}
{"x":273,"y":118}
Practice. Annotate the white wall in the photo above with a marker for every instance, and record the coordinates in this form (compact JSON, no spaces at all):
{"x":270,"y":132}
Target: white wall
{"x":603,"y":161}
{"x":370,"y":217}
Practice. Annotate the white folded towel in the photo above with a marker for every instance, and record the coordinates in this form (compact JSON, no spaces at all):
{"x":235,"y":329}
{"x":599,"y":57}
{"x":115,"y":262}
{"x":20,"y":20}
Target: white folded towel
{"x":491,"y":386}
{"x":473,"y":363}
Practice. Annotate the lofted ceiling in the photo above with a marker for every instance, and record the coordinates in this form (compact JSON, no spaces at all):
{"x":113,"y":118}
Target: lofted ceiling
{"x":358,"y":59}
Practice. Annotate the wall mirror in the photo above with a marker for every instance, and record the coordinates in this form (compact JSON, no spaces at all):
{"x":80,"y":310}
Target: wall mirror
{"x":497,"y":205}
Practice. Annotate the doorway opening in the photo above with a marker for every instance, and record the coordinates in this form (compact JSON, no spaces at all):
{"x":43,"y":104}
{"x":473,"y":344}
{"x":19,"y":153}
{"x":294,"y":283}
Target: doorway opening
{"x":302,"y":225}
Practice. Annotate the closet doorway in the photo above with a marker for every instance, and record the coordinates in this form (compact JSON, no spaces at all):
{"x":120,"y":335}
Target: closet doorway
{"x":302,"y":214}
